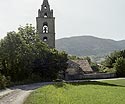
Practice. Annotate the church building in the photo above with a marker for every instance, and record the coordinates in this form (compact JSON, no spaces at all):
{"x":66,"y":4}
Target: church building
{"x":46,"y":24}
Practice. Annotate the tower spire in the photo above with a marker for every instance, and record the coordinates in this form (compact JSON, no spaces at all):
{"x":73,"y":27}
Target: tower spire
{"x":45,"y":5}
{"x":45,"y":2}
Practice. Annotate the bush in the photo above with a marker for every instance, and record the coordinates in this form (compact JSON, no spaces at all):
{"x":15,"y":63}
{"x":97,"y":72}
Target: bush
{"x":109,"y":70}
{"x":115,"y":63}
{"x":120,"y":67}
{"x":4,"y":82}
{"x":95,"y":67}
{"x":35,"y":78}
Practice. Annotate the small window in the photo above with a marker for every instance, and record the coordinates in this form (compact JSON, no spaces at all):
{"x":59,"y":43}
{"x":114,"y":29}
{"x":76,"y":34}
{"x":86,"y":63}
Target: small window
{"x":45,"y":39}
{"x":45,"y":15}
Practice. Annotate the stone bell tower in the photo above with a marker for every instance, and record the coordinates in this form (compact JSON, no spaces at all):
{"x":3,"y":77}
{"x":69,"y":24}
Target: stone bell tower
{"x":46,"y":24}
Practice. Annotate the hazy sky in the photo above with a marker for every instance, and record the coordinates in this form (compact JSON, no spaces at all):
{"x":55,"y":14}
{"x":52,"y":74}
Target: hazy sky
{"x":100,"y":18}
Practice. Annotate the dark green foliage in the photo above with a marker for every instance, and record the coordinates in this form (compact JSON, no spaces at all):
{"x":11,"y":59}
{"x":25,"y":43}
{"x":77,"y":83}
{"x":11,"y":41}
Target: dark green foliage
{"x":24,"y":56}
{"x":116,"y":60}
{"x":110,"y":60}
{"x":94,"y":67}
{"x":120,"y":67}
{"x":4,"y":82}
{"x":17,"y":53}
{"x":49,"y":67}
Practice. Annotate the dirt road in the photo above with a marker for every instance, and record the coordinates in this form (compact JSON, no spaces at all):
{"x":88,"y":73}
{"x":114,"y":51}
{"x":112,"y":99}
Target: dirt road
{"x":17,"y":95}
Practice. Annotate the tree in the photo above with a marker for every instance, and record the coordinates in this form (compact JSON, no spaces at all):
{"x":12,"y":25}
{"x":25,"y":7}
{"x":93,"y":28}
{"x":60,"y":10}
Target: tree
{"x":120,"y":67}
{"x":23,"y":54}
{"x":49,"y":67}
{"x":110,"y":60}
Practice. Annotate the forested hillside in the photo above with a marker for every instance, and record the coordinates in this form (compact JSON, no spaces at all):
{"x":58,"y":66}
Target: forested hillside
{"x":89,"y":45}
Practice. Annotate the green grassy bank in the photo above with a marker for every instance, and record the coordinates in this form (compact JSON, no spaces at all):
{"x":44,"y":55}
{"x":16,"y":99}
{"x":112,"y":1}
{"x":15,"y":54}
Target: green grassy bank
{"x":102,"y":92}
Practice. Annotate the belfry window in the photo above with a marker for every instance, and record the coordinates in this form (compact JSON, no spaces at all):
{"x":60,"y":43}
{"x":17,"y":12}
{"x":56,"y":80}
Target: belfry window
{"x":45,"y":39}
{"x":45,"y":28}
{"x":45,"y":7}
{"x":45,"y":15}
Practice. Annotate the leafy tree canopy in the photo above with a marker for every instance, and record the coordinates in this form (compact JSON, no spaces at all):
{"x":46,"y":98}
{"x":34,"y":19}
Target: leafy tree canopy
{"x":23,"y":54}
{"x":116,"y":60}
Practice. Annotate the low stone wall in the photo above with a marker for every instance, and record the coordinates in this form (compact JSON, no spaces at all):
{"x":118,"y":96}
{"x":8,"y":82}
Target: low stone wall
{"x":98,"y":76}
{"x":90,"y":76}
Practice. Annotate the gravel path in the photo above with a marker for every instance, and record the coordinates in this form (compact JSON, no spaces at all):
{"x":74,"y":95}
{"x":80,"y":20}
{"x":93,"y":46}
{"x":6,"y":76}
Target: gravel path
{"x":18,"y":94}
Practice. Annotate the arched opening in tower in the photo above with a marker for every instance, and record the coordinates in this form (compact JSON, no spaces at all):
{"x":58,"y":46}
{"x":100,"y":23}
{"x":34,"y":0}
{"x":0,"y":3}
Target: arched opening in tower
{"x":45,"y":39}
{"x":45,"y":27}
{"x":45,"y":15}
{"x":45,"y":7}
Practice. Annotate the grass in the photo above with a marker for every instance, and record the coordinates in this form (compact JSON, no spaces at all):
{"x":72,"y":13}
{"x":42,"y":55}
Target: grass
{"x":120,"y":82}
{"x":102,"y":92}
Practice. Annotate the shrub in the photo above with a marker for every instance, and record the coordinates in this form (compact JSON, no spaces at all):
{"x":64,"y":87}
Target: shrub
{"x":4,"y":82}
{"x":95,"y":67}
{"x":109,"y":70}
{"x":120,"y":67}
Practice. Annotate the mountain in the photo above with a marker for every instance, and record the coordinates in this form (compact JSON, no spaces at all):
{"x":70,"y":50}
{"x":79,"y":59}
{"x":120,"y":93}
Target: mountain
{"x":89,"y":45}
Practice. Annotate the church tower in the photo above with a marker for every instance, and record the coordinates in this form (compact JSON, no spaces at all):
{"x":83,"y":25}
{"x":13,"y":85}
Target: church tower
{"x":46,"y":24}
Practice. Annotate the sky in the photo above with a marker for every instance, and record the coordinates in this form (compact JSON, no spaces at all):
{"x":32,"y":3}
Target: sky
{"x":100,"y":18}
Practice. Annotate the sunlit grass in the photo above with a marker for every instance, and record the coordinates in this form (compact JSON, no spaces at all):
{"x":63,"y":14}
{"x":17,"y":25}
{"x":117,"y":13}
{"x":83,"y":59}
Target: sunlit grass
{"x":80,"y":93}
{"x":120,"y":82}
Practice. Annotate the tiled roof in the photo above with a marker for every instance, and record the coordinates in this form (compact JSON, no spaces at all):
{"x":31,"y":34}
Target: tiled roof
{"x":79,"y":66}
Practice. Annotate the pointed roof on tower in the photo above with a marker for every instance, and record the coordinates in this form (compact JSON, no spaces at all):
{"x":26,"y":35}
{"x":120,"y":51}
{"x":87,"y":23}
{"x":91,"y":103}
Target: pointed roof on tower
{"x":45,"y":10}
{"x":45,"y":5}
{"x":45,"y":2}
